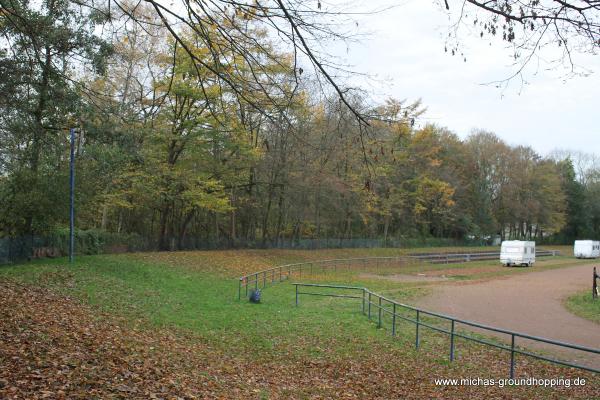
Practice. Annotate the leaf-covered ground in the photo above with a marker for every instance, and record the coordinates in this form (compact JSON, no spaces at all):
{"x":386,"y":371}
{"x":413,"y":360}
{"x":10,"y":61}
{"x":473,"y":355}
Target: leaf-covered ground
{"x":235,"y":263}
{"x":111,"y":328}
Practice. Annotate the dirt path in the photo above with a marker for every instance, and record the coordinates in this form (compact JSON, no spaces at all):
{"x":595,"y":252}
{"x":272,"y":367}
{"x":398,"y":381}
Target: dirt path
{"x":530,"y":303}
{"x":405,"y":277}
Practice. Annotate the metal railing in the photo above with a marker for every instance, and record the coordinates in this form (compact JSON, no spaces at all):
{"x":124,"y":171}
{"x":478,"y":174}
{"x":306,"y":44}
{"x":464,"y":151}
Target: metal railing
{"x":384,"y":305}
{"x":449,"y":258}
{"x":267,"y":277}
{"x":264,"y":278}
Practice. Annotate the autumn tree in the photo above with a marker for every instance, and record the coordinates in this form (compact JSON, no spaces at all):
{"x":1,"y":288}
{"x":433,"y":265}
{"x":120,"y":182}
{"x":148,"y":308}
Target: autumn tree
{"x":44,"y":47}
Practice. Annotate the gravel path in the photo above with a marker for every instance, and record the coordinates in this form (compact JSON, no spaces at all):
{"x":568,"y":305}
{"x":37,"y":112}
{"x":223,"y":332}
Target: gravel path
{"x":530,"y":303}
{"x":405,"y":277}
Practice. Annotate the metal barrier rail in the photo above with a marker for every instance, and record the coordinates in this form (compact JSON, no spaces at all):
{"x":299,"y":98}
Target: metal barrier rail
{"x":262,"y":279}
{"x":448,"y":258}
{"x":538,"y":252}
{"x":298,"y":293}
{"x":372,"y":299}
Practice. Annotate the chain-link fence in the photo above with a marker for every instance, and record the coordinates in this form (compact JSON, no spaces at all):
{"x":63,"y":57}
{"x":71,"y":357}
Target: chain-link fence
{"x":16,"y":249}
{"x":198,"y":243}
{"x":23,"y":248}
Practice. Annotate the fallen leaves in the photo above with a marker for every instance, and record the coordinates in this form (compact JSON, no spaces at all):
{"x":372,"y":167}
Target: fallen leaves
{"x":54,"y":347}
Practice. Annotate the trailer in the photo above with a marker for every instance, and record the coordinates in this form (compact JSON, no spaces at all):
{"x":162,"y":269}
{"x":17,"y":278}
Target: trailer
{"x":517,"y":252}
{"x":586,"y":249}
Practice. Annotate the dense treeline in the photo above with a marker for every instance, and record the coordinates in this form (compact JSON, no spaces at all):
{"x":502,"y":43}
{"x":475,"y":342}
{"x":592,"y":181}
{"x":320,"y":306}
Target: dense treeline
{"x":168,"y":151}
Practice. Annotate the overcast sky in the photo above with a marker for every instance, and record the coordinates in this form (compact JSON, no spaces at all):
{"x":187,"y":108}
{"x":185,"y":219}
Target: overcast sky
{"x":404,"y":54}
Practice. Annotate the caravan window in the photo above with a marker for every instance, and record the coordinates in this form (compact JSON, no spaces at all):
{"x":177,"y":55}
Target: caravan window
{"x":513,"y":250}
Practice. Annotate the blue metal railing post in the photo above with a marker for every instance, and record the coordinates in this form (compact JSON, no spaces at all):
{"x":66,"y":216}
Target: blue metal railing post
{"x":452,"y":341}
{"x":296,"y":295}
{"x":369,"y":306}
{"x":512,"y":356}
{"x":379,"y":317}
{"x":417,"y":332}
{"x":72,"y":199}
{"x":393,"y":319}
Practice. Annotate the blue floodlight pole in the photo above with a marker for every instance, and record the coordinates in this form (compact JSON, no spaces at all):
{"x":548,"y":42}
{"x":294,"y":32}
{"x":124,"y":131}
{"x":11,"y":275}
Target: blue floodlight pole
{"x":72,"y":207}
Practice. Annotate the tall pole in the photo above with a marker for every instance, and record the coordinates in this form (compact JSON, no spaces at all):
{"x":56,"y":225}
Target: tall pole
{"x":595,"y":285}
{"x":72,"y":207}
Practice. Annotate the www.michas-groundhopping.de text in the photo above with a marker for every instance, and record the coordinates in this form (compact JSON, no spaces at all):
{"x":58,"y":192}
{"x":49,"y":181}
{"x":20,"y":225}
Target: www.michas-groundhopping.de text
{"x":531,"y":381}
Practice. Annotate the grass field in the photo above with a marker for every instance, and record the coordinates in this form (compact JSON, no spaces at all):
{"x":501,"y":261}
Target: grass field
{"x":180,"y":311}
{"x":584,"y":305}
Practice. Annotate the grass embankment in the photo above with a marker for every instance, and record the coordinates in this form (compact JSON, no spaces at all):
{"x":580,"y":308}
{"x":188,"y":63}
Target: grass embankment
{"x":583,"y":305}
{"x":180,"y":311}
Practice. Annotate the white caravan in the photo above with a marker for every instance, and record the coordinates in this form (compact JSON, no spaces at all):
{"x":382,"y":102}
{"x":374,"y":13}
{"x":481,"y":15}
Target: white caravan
{"x":517,"y":252}
{"x":587,"y":249}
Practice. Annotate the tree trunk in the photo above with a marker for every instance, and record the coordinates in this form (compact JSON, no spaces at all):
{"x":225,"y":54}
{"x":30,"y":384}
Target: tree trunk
{"x":265,"y":223}
{"x":280,"y":205}
{"x":163,"y":242}
{"x":183,"y":230}
{"x":318,"y":211}
{"x":386,"y":225}
{"x":104,"y":221}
